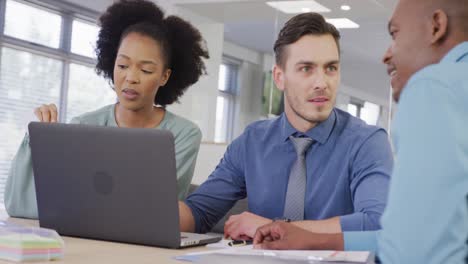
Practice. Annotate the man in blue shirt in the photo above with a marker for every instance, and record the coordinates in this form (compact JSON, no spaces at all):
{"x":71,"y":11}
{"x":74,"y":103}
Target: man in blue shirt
{"x":346,"y":165}
{"x":426,"y":220}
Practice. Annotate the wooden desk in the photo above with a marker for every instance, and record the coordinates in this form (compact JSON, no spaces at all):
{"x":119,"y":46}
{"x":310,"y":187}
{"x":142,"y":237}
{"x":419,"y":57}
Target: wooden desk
{"x":78,"y":250}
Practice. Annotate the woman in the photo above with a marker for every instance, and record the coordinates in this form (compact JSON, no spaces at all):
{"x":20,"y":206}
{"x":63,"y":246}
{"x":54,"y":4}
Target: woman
{"x":151,"y":61}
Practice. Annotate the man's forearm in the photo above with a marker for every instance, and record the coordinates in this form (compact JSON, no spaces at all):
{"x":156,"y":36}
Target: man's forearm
{"x":186,"y":220}
{"x":330,"y":225}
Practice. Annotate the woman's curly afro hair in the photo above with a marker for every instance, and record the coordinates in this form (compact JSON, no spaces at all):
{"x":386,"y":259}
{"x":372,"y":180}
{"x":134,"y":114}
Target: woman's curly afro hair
{"x":182,"y":45}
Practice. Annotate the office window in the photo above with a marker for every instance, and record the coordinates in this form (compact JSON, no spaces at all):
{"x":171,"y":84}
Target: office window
{"x":86,"y":96}
{"x":353,"y":109}
{"x":87,"y":91}
{"x":370,"y":113}
{"x":32,"y":24}
{"x":84,"y":36}
{"x":32,"y":75}
{"x":225,"y":103}
{"x":20,"y":92}
{"x":366,"y":111}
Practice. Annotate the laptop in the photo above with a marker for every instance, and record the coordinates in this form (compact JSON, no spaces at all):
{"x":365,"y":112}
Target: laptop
{"x":109,"y":183}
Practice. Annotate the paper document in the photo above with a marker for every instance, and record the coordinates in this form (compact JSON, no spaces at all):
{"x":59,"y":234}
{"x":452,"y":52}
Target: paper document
{"x":306,"y":255}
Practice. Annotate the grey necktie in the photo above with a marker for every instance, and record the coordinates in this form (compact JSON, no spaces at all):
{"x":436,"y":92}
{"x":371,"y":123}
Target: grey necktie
{"x":295,"y":194}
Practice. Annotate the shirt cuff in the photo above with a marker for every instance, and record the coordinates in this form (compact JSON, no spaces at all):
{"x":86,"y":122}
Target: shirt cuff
{"x":361,"y":241}
{"x":352,"y":222}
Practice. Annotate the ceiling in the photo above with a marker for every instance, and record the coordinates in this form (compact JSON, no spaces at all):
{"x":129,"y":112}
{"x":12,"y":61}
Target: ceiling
{"x":254,"y":24}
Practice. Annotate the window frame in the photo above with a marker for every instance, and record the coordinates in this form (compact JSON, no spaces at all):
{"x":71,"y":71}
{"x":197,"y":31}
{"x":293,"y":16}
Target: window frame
{"x":83,"y":21}
{"x":231,"y":94}
{"x":358,"y":108}
{"x":360,"y":105}
{"x":68,"y":13}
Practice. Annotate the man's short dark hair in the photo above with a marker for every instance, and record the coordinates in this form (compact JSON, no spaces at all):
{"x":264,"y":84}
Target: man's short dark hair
{"x":299,"y":26}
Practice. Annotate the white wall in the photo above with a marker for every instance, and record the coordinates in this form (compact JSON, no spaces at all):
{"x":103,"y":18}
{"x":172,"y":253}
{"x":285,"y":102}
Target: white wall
{"x":241,"y":53}
{"x":208,"y":158}
{"x":268,"y":62}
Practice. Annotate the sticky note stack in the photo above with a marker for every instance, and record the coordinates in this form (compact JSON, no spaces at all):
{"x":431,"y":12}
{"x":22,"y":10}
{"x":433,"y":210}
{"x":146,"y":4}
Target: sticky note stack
{"x":21,"y":243}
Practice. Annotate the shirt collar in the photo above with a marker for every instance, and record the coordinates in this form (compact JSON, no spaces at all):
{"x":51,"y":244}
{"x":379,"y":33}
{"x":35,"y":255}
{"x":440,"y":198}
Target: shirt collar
{"x":458,"y":53}
{"x":319,"y":133}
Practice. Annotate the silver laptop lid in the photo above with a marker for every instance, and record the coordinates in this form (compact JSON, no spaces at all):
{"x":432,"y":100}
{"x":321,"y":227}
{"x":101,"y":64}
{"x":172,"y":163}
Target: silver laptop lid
{"x":107,"y":183}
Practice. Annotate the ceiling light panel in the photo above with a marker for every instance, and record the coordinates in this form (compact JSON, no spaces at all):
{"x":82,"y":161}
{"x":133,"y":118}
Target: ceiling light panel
{"x":294,"y":7}
{"x":342,"y":23}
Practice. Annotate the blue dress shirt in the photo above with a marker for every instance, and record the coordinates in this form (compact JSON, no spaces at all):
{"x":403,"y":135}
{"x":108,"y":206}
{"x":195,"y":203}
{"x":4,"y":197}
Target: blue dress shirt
{"x":427,"y":216}
{"x":348,"y":170}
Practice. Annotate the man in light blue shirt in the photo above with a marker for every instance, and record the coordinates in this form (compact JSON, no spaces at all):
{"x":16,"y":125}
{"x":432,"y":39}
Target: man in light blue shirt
{"x":426,"y":220}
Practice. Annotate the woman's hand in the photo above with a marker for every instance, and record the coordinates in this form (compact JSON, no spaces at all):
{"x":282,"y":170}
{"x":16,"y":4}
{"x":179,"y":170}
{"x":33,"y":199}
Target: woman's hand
{"x":46,"y":113}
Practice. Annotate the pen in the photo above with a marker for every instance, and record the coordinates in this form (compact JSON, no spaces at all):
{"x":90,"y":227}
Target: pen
{"x":237,"y":243}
